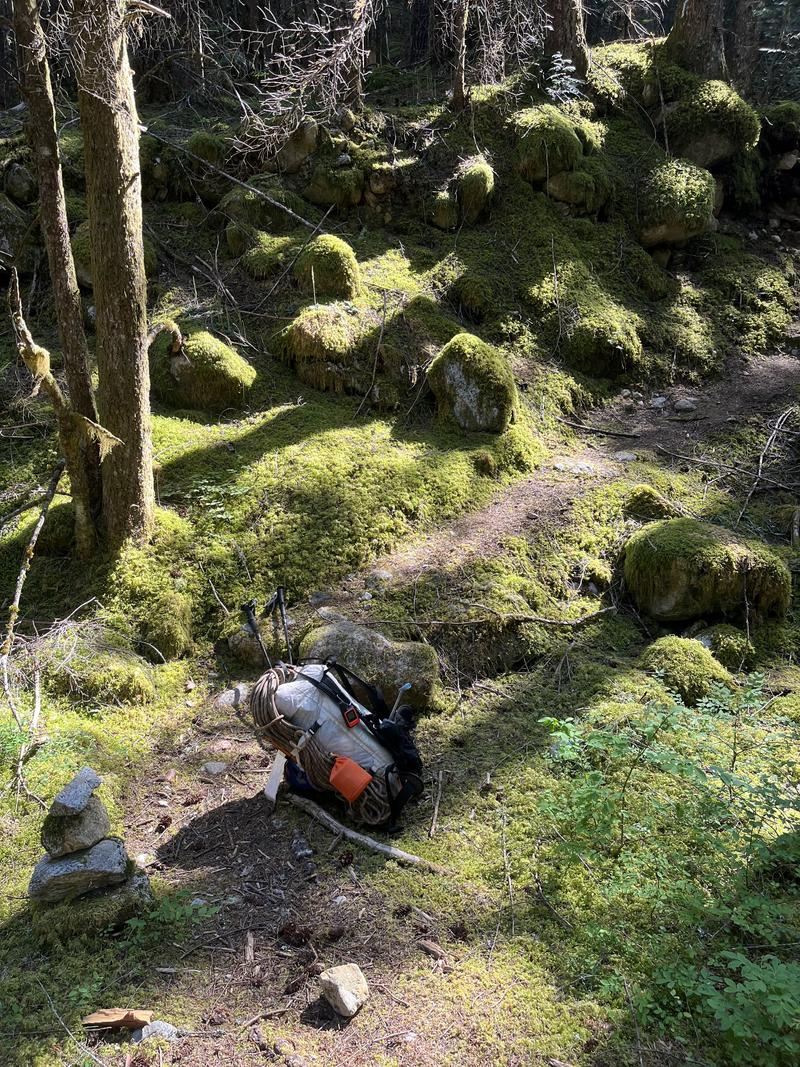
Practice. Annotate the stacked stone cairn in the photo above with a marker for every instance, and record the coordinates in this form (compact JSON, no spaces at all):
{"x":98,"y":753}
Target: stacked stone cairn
{"x":83,"y":862}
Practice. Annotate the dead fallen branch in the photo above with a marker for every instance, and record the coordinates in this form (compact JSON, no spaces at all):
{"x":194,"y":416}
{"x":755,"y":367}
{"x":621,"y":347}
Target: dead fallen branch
{"x":328,"y":821}
{"x":780,"y":422}
{"x":595,"y":429}
{"x":717,"y":465}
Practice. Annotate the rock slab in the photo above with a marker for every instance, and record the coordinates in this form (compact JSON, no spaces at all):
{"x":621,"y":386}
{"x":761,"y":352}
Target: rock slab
{"x":62,"y":834}
{"x":74,"y":797}
{"x":345,"y":988}
{"x":104,"y":864}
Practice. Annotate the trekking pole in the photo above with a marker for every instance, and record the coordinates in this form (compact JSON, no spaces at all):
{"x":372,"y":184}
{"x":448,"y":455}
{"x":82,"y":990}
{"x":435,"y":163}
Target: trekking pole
{"x":404,"y":688}
{"x":250,"y":611}
{"x":279,"y":602}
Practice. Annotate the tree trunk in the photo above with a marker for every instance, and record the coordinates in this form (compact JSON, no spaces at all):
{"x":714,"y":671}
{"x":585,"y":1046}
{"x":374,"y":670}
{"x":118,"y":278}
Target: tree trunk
{"x":419,"y":37}
{"x":567,"y":34}
{"x":84,"y":467}
{"x":460,"y":19}
{"x":354,"y":32}
{"x":743,"y":46}
{"x":114,"y":205}
{"x":696,"y":39}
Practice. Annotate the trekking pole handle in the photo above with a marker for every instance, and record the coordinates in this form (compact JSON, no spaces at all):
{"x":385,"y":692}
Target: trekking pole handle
{"x":404,"y":688}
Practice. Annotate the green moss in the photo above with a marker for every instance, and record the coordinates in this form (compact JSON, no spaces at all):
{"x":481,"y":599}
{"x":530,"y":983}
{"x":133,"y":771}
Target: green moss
{"x":744,"y":186}
{"x":474,"y":188}
{"x":323,"y":334}
{"x":686,"y":666}
{"x":546,"y":142}
{"x":247,"y":207}
{"x":711,"y":123}
{"x":237,"y":238}
{"x":98,"y":675}
{"x":206,"y":374}
{"x":444,"y":211}
{"x":473,"y":383}
{"x":730,"y":646}
{"x":604,"y":341}
{"x":618,"y":72}
{"x":92,"y":915}
{"x":677,"y":202}
{"x":754,"y":298}
{"x":168,"y":624}
{"x":267,"y":254}
{"x":342,"y":186}
{"x":588,"y":187}
{"x":474,"y":295}
{"x":781,"y":127}
{"x":681,"y":569}
{"x":208,"y":146}
{"x":82,"y":254}
{"x":645,"y":504}
{"x":327,"y":266}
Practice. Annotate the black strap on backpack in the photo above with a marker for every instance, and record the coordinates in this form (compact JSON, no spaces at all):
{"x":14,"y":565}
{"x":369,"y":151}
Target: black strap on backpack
{"x":374,"y":693}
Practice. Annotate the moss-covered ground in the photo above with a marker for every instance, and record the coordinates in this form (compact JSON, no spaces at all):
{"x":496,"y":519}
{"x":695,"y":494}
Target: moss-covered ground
{"x":622,"y":883}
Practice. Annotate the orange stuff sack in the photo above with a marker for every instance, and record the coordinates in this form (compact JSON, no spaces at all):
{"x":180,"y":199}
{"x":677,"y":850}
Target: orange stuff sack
{"x":349,"y":779}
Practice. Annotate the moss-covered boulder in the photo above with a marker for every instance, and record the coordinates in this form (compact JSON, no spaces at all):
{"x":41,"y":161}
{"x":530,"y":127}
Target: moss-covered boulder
{"x":473,"y":293}
{"x":327,"y":266}
{"x":547,"y":142}
{"x":300,"y":144}
{"x":262,"y":207}
{"x":82,"y":254}
{"x":94,"y":913}
{"x":444,"y":211}
{"x":386,"y":663}
{"x":203,"y":374}
{"x":781,"y":126}
{"x":268,"y":253}
{"x":168,"y":625}
{"x":687,"y":667}
{"x":710,"y":124}
{"x":474,"y":188}
{"x":730,"y":645}
{"x":677,"y":202}
{"x":323,"y":344}
{"x":645,"y":504}
{"x":678,"y":570}
{"x":99,"y":676}
{"x":341,"y":186}
{"x":208,"y":146}
{"x":473,"y":383}
{"x":603,"y":342}
{"x":587,"y":188}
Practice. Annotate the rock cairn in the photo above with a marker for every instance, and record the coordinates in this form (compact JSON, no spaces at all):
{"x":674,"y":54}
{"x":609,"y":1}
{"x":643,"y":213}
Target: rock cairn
{"x":81,"y":857}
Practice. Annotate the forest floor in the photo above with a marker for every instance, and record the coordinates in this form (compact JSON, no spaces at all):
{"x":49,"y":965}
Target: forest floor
{"x":278,"y":920}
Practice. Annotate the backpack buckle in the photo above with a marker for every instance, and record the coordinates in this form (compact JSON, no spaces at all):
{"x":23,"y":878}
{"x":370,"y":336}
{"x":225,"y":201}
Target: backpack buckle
{"x":351,"y":716}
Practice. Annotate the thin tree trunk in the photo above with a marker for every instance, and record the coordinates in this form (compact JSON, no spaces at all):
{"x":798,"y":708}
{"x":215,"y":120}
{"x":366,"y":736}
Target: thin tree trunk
{"x":566,"y":35}
{"x":696,"y":40}
{"x":354,"y":42}
{"x":461,"y":17}
{"x":114,"y":204}
{"x":37,"y":90}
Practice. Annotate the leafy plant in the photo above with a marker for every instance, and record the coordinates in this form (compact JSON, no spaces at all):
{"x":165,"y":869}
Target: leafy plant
{"x":171,"y":919}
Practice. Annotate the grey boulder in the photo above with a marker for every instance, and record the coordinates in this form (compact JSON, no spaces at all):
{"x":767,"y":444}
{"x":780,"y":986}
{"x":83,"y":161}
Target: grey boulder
{"x":20,"y":184}
{"x":71,"y":833}
{"x":157,"y":1028}
{"x":345,"y":988}
{"x":74,"y":797}
{"x":104,"y":864}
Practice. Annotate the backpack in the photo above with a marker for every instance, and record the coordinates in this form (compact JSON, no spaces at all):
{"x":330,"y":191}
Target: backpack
{"x":365,"y":755}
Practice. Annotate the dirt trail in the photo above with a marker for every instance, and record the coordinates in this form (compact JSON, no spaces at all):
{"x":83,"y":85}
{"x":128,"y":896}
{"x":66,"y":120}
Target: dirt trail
{"x":748,"y":387}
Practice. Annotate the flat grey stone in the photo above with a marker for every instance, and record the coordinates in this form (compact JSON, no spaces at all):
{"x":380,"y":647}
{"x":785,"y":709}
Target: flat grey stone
{"x":101,"y":865}
{"x":215,"y":767}
{"x":74,"y":797}
{"x":232,"y":698}
{"x":157,"y":1028}
{"x":658,"y":402}
{"x":625,"y":457}
{"x":685,"y":404}
{"x":62,"y":834}
{"x":319,"y":598}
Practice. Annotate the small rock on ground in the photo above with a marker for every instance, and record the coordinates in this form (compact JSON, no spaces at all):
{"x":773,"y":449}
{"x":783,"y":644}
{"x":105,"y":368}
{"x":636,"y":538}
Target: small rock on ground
{"x":345,"y":988}
{"x":685,"y":404}
{"x":215,"y":767}
{"x":157,"y":1028}
{"x":625,"y":457}
{"x":103,"y":864}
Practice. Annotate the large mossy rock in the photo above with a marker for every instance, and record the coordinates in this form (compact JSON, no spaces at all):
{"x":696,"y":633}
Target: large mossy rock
{"x":686,"y":666}
{"x":730,"y":645}
{"x":168,"y":627}
{"x":586,"y":189}
{"x":82,"y":254}
{"x":377,"y":659}
{"x":781,"y":125}
{"x":268,"y":254}
{"x":710,"y":124}
{"x":343,"y":187}
{"x":251,"y":208}
{"x":679,"y":570}
{"x":603,"y":342}
{"x":473,"y":383}
{"x":474,"y":189}
{"x":323,"y":344}
{"x":547,"y":142}
{"x":328,"y":266}
{"x":677,"y":202}
{"x":300,"y":144}
{"x":204,"y":374}
{"x":97,"y":912}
